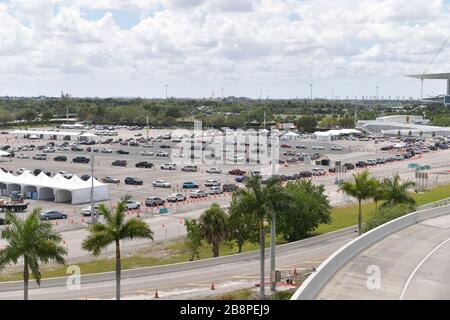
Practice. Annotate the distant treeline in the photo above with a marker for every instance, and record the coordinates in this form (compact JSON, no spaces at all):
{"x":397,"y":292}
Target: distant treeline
{"x":306,"y":114}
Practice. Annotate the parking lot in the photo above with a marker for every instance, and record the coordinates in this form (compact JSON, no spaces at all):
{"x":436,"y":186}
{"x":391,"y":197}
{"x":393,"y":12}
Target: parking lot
{"x":351,"y":151}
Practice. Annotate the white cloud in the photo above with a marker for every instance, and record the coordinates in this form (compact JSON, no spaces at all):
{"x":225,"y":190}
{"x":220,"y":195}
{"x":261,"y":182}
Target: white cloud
{"x":243,"y":45}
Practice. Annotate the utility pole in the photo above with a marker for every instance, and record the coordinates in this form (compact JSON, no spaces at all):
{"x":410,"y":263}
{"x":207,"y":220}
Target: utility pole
{"x":93,"y":213}
{"x":166,"y":91}
{"x":311,"y":85}
{"x":147,"y":128}
{"x":222,"y":93}
{"x":332,"y":102}
{"x":421,"y":88}
{"x":377,"y":93}
{"x":273,"y":226}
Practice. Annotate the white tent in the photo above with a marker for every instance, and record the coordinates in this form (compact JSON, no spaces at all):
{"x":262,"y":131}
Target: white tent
{"x":290,"y":136}
{"x":58,"y":188}
{"x":88,"y":135}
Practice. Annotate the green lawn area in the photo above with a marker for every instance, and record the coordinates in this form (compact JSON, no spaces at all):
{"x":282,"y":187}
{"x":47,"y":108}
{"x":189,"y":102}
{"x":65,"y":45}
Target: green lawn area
{"x":347,"y":216}
{"x":342,"y":217}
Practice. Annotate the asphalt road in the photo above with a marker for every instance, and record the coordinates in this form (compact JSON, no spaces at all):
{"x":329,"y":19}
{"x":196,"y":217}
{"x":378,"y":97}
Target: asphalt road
{"x":412,"y":264}
{"x":302,"y":254}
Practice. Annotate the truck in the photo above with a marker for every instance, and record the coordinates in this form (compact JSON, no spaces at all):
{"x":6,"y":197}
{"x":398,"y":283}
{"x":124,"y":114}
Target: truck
{"x":14,"y":205}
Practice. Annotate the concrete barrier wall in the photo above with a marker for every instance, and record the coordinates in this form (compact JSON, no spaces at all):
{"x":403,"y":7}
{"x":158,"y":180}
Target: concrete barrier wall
{"x":314,"y":284}
{"x":182,"y":266}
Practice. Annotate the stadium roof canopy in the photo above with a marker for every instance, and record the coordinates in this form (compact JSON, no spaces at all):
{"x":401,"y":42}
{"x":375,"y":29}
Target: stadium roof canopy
{"x":442,"y":76}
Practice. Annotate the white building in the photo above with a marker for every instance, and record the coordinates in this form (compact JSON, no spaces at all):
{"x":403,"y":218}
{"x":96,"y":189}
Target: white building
{"x":405,"y":124}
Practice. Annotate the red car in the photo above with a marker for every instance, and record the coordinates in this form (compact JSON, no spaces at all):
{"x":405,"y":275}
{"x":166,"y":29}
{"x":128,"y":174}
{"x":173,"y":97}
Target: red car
{"x":284,"y":145}
{"x":236,"y":172}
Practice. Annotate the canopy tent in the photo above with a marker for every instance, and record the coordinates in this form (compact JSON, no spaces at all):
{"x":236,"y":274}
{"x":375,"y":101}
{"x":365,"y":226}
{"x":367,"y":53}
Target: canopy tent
{"x":88,"y":135}
{"x":290,"y":136}
{"x":57,"y":188}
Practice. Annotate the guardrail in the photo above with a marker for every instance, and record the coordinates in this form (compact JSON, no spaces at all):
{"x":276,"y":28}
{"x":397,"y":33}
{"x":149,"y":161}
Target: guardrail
{"x":314,"y":284}
{"x":182,"y":266}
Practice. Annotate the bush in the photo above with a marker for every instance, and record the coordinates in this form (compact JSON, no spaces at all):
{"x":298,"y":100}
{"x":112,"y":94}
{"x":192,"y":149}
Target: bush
{"x":386,"y":214}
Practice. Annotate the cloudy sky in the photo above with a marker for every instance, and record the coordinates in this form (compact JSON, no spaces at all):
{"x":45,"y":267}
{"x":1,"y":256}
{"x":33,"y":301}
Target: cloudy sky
{"x":278,"y":47}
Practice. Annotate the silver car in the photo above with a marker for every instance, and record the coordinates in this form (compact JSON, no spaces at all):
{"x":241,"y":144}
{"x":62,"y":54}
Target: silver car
{"x":175,"y":197}
{"x":161,"y":184}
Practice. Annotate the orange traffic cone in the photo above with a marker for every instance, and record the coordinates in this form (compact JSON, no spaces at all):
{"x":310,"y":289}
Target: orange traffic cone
{"x":156,"y":294}
{"x":212,"y":286}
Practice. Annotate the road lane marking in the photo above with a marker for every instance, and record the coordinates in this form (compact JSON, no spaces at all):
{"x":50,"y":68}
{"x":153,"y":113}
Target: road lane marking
{"x":406,"y":285}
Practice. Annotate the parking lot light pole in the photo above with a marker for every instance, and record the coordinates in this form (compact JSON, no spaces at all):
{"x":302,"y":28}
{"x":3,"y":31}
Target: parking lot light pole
{"x":93,"y":214}
{"x":273,"y":284}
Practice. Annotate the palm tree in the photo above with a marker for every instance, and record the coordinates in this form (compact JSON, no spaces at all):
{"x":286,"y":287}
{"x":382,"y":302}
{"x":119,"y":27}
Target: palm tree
{"x":378,"y":193}
{"x":262,"y":201}
{"x":363,"y":188}
{"x":214,"y":227}
{"x":396,"y":192}
{"x":114,"y":230}
{"x":35,"y":241}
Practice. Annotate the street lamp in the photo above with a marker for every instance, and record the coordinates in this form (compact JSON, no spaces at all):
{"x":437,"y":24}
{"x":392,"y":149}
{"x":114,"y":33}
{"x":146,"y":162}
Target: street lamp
{"x":94,"y":215}
{"x":273,"y":283}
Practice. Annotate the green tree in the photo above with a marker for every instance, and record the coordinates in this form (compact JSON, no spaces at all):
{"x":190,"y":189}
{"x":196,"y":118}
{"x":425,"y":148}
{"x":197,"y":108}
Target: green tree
{"x":262,"y":201}
{"x":362,"y":189}
{"x":306,"y":123}
{"x":33,"y":240}
{"x":114,"y":230}
{"x":310,"y":208}
{"x":243,"y":225}
{"x":396,"y":192}
{"x":214,"y":227}
{"x":47,"y":115}
{"x":193,"y":239}
{"x":29,"y":114}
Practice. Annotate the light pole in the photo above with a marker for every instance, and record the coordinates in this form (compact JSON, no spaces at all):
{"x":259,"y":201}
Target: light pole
{"x":377,"y":93}
{"x":93,"y":213}
{"x":311,"y":85}
{"x":332,"y":102}
{"x":166,"y":90}
{"x":273,"y":226}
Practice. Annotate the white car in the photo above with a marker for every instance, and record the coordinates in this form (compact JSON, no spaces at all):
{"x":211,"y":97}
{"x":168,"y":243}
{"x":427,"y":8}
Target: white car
{"x":87,"y":211}
{"x":175,"y":197}
{"x":214,"y":170}
{"x":215,"y":190}
{"x":22,"y":156}
{"x":168,"y":166}
{"x":147,"y":153}
{"x":161,"y":184}
{"x":235,"y":158}
{"x":105,"y":150}
{"x":132,"y":204}
{"x":336,"y":148}
{"x":160,"y":153}
{"x":48,"y":150}
{"x":212,"y":183}
{"x":148,"y":145}
{"x":317,"y":147}
{"x":21,"y":170}
{"x":198,"y":194}
{"x":63,"y":149}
